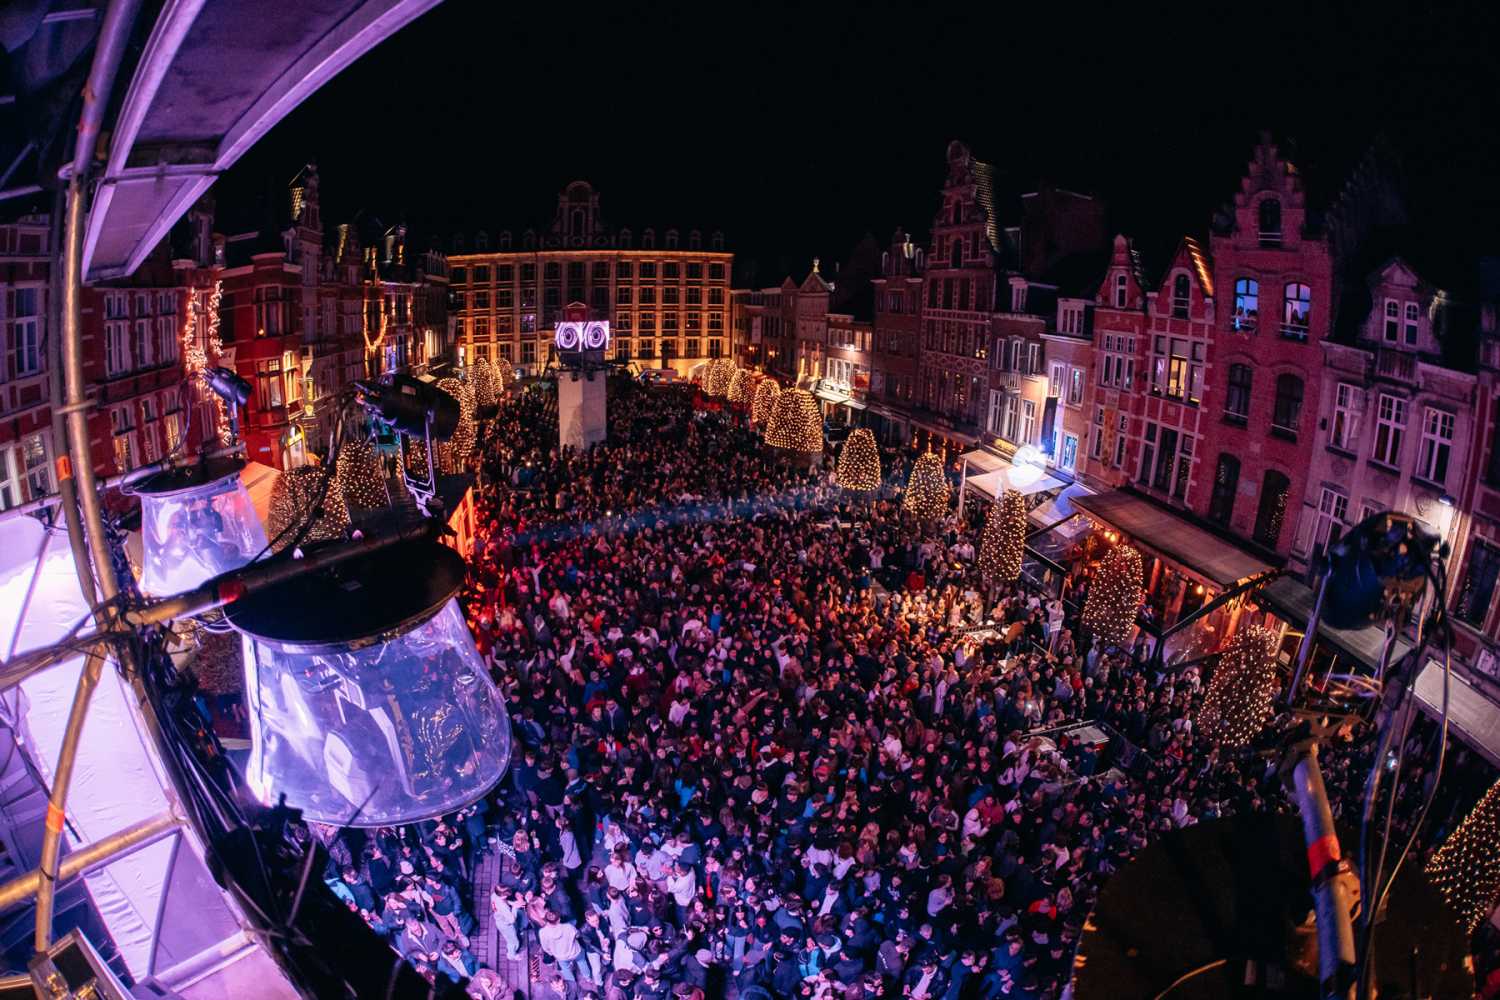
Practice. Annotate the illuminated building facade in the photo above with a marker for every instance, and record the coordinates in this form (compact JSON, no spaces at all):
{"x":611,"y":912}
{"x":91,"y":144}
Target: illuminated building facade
{"x":665,"y":295}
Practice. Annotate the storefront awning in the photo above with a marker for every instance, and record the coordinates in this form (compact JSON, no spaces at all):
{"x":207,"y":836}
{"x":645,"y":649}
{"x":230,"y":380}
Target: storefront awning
{"x":984,"y":460}
{"x":1172,"y":536}
{"x":1291,"y":600}
{"x":829,"y":395}
{"x":1059,"y":510}
{"x":1473,"y":715}
{"x":1024,"y":479}
{"x":945,"y":432}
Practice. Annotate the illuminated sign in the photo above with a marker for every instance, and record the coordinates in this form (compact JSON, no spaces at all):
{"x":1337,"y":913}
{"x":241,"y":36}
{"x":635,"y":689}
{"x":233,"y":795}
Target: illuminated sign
{"x":592,"y":335}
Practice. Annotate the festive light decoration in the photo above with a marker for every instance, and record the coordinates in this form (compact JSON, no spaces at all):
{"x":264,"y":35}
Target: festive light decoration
{"x":1114,"y":596}
{"x":1004,"y":542}
{"x":196,"y":359}
{"x":454,"y":453}
{"x":293,"y":500}
{"x":414,"y":461}
{"x":795,"y":423}
{"x":359,"y":476}
{"x":859,"y":462}
{"x":1466,"y":869}
{"x":373,"y":346}
{"x":927,"y":490}
{"x":1238,"y":703}
{"x":764,"y":400}
{"x":505,"y":376}
{"x":717,"y":376}
{"x":482,"y":378}
{"x":739,"y":387}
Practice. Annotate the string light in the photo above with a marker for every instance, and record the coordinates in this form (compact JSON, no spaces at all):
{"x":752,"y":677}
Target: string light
{"x":293,"y":500}
{"x":1004,"y":542}
{"x":1114,"y":596}
{"x":859,"y":462}
{"x":505,"y":376}
{"x":764,"y":401}
{"x":415,"y":459}
{"x":795,"y":423}
{"x":739,"y":387}
{"x":482,"y":376}
{"x":197,"y":359}
{"x":1466,"y":869}
{"x":359,"y":475}
{"x":716,"y":377}
{"x":927,"y":490}
{"x":1238,"y":703}
{"x":453,"y":454}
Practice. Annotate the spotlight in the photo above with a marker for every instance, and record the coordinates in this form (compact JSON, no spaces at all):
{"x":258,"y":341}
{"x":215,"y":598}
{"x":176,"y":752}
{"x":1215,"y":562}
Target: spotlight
{"x":197,"y":522}
{"x":369,"y":703}
{"x":228,"y":385}
{"x":411,"y":406}
{"x":1380,"y":566}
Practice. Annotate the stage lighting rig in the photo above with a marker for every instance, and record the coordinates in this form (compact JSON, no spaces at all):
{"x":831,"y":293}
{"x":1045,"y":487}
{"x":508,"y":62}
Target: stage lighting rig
{"x":413,"y":409}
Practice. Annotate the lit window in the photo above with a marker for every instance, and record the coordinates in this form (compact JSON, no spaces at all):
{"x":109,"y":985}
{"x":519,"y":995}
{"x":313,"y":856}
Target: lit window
{"x":1246,"y":304}
{"x":1297,"y":311}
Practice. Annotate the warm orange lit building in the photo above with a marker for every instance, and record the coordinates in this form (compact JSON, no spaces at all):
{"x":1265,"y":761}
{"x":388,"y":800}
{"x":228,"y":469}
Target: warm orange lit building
{"x":665,"y":295}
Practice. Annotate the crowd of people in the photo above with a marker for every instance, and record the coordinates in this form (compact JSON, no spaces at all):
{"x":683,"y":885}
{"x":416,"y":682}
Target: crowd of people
{"x":762,"y":748}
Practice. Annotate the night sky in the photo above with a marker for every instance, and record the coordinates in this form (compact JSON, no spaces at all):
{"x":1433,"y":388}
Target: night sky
{"x":796,"y":131}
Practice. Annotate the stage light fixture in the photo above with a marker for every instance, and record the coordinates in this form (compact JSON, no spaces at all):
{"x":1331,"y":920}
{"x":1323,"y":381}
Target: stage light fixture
{"x":369,"y":704}
{"x":197,"y":522}
{"x":410,"y":406}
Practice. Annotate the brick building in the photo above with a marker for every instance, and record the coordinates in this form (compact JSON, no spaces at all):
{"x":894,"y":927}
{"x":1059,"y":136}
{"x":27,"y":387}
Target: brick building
{"x":666,"y":296}
{"x":897,"y":349}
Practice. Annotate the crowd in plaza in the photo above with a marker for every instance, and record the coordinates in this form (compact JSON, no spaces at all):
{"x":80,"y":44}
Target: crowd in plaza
{"x":757,"y":753}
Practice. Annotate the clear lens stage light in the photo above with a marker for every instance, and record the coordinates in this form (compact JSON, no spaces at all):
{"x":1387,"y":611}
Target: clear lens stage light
{"x":196,"y":522}
{"x":369,"y":704}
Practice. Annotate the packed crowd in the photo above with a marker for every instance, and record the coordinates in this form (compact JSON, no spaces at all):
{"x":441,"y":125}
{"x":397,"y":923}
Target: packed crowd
{"x":758,"y":753}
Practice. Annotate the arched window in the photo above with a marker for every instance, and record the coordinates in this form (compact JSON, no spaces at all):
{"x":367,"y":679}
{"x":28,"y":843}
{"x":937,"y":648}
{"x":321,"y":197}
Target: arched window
{"x":1296,"y":313}
{"x":1226,"y":481}
{"x":1288,"y":408}
{"x":1181,"y":293}
{"x":482,"y":240}
{"x":458,"y":243}
{"x":1237,"y":399}
{"x":577,"y":226}
{"x":695,"y":240}
{"x":1246,"y":304}
{"x":1122,"y":290}
{"x":505,"y":240}
{"x":671,"y":239}
{"x":1270,"y":514}
{"x":648,"y":240}
{"x":716,"y":242}
{"x":1270,"y":223}
{"x":956,"y":253}
{"x":625,"y":239}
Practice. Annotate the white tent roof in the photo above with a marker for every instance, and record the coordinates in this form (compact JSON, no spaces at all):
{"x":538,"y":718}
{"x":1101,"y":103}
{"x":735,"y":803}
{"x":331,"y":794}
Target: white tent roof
{"x":1024,"y":479}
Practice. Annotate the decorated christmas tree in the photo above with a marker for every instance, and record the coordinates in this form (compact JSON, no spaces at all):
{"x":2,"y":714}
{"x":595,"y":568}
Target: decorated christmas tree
{"x":505,"y":376}
{"x":765,"y":400}
{"x":859,"y":462}
{"x":482,"y":378}
{"x":739,"y":387}
{"x":927,"y":490}
{"x":454,"y":452}
{"x":359,"y":476}
{"x":1114,"y":596}
{"x":294,"y":499}
{"x":795,"y":423}
{"x":1238,"y":703}
{"x":1004,"y":540}
{"x":1466,"y":869}
{"x":716,"y":377}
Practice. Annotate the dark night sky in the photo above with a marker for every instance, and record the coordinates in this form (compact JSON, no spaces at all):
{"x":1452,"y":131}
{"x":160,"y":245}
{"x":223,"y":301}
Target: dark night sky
{"x":798,"y":130}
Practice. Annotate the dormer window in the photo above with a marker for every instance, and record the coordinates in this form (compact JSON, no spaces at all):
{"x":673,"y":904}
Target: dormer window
{"x":1070,"y":319}
{"x":1400,"y":322}
{"x":1018,"y":297}
{"x":1122,"y":290}
{"x":1270,"y":223}
{"x":1411,"y":324}
{"x":1181,"y":295}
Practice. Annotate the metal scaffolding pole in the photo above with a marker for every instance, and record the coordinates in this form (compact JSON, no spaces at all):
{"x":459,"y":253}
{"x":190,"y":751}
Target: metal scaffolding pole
{"x":86,"y":859}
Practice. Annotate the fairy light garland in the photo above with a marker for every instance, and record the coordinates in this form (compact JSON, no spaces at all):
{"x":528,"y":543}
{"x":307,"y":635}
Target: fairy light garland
{"x":482,"y":377}
{"x":359,"y":476}
{"x":1003,"y":544}
{"x":764,"y":401}
{"x":453,"y":454}
{"x":197,"y":360}
{"x":927,"y":489}
{"x":1466,"y":869}
{"x":1114,"y":596}
{"x":293,"y":500}
{"x":716,"y":377}
{"x":859,"y":462}
{"x":504,"y":376}
{"x":739,"y":387}
{"x":795,"y":423}
{"x":1239,"y":700}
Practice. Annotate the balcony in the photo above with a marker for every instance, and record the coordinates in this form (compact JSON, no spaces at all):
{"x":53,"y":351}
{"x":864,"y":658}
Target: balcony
{"x":1397,"y":366}
{"x":1290,"y":331}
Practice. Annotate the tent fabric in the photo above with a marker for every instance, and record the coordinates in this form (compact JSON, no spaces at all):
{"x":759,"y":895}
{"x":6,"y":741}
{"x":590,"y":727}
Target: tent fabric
{"x":1473,"y":714}
{"x":984,"y":460}
{"x":1018,"y":478}
{"x":1051,"y":511}
{"x":1199,"y":552}
{"x":260,"y":481}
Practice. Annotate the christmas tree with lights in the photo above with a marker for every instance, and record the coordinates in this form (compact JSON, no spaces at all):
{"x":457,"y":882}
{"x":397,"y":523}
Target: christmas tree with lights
{"x":454,"y":453}
{"x":505,"y":376}
{"x":1004,"y":541}
{"x":927,"y":490}
{"x":1466,"y":869}
{"x":482,"y":377}
{"x":739,"y":387}
{"x":1114,"y":596}
{"x":716,"y":377}
{"x":859,"y":462}
{"x":795,"y":423}
{"x":1239,"y":700}
{"x":294,"y":500}
{"x":359,"y":476}
{"x":764,"y":402}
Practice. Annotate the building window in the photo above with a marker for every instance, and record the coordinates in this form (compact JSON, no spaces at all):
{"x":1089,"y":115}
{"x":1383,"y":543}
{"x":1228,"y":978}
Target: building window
{"x":148,"y":427}
{"x":1070,"y":319}
{"x":997,"y":406}
{"x":1033,"y":359}
{"x":1148,"y":453}
{"x":36,"y":462}
{"x":528,"y":352}
{"x":1348,"y":404}
{"x":1411,"y":324}
{"x":122,"y":423}
{"x":1270,"y":223}
{"x":1226,"y":482}
{"x":1390,"y":424}
{"x":1288,"y":408}
{"x":1477,"y":593}
{"x":268,"y":384}
{"x":1297,"y":311}
{"x":1120,"y":440}
{"x":1181,"y":293}
{"x":1246,"y":304}
{"x":1069,"y":458}
{"x":1271,"y":513}
{"x":1122,"y":290}
{"x":1392,"y":321}
{"x":1075,"y":388}
{"x":25,"y":316}
{"x":1437,"y":445}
